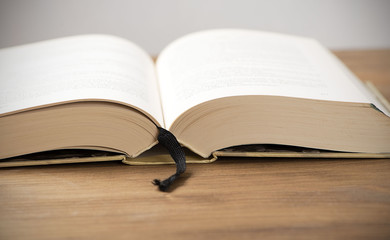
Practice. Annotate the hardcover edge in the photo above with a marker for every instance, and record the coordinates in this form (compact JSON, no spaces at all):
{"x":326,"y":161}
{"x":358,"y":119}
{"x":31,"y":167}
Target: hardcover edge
{"x":215,"y":155}
{"x":161,"y":159}
{"x":20,"y":163}
{"x":370,"y":86}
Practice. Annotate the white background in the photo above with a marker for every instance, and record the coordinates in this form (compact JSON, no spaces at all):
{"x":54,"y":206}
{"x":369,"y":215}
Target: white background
{"x":152,"y":24}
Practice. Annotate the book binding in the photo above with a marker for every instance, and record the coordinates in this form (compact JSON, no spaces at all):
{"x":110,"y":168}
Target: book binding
{"x":157,"y":157}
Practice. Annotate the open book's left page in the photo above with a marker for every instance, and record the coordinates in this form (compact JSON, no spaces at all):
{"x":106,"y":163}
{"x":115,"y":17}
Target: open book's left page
{"x":81,"y":68}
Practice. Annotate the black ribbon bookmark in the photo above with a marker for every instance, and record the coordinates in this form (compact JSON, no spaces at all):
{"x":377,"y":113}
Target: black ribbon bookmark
{"x":169,"y":141}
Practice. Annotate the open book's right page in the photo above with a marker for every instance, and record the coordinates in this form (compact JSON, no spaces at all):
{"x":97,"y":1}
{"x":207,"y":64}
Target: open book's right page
{"x":222,"y":63}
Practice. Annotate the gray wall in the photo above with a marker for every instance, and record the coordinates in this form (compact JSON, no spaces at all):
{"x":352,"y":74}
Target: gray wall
{"x":339,"y":24}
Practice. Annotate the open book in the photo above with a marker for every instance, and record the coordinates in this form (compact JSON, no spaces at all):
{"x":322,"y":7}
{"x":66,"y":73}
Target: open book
{"x":213,"y":89}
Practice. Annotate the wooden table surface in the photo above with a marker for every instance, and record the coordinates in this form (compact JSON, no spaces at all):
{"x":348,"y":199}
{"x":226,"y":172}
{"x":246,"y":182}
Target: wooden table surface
{"x":229,"y":199}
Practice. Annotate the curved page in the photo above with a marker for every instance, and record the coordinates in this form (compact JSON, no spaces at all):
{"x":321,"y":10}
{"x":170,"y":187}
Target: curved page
{"x":78,"y":68}
{"x":221,"y":63}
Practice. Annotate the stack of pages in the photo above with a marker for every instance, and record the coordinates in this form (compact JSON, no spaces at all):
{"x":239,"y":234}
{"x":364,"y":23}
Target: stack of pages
{"x":213,"y":90}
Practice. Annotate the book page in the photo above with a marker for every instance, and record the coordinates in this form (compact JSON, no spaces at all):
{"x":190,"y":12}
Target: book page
{"x":223,"y":63}
{"x":90,"y":67}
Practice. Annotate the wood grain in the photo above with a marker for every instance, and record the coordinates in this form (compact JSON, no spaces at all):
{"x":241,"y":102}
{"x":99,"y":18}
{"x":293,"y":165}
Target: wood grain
{"x":229,"y":199}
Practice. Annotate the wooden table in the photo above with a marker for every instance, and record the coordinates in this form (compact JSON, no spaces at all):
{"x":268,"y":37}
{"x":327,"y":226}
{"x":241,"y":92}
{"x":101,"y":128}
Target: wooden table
{"x":229,"y":199}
